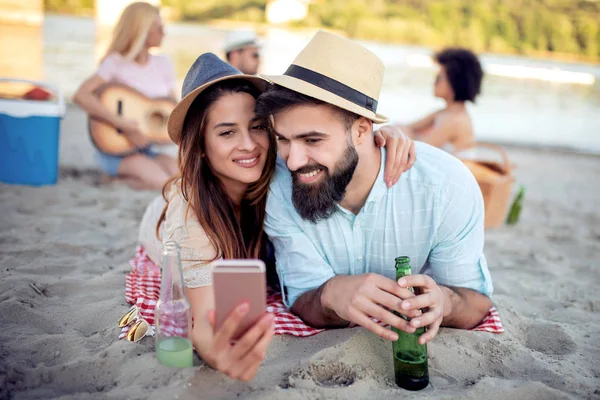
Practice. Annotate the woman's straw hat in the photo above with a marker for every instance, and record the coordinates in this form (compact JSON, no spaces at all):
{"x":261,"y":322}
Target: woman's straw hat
{"x":337,"y":71}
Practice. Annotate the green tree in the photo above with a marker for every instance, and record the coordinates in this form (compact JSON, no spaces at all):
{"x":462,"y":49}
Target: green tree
{"x":517,"y":26}
{"x":70,"y":6}
{"x":562,"y":37}
{"x":588,"y":35}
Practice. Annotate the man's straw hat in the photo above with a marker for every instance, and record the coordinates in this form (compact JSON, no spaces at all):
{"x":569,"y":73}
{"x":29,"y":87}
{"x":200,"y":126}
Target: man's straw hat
{"x":337,"y":71}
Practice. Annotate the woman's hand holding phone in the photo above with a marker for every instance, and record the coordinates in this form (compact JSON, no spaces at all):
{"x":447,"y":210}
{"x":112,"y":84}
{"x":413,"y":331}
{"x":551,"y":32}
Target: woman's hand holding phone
{"x":239,"y":360}
{"x":233,"y":329}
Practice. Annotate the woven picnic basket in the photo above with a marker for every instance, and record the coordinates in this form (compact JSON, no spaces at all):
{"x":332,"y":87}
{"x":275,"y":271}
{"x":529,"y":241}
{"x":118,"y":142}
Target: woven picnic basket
{"x":495,"y":180}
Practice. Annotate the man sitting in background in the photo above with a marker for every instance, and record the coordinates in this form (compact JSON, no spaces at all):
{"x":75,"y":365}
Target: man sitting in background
{"x":242,"y":51}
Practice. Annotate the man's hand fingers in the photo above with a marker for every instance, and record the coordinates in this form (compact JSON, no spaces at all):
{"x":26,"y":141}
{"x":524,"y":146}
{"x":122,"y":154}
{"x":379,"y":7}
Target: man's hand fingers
{"x":393,"y":303}
{"x":387,"y":317}
{"x":369,"y":324}
{"x":421,"y":301}
{"x":419,"y":280}
{"x":427,"y":319}
{"x":390,"y":286}
{"x":430,"y":334}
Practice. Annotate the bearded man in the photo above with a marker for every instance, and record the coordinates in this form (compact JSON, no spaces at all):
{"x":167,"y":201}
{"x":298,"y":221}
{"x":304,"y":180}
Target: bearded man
{"x":336,"y":225}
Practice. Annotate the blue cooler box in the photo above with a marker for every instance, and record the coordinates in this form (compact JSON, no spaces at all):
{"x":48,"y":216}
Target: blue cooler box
{"x":29,"y":133}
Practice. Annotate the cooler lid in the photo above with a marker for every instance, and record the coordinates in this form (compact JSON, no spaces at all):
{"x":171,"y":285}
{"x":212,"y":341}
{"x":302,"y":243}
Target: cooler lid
{"x":21,"y":108}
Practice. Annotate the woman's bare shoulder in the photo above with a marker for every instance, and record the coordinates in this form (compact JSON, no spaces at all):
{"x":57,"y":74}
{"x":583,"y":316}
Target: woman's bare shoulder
{"x":454,"y":118}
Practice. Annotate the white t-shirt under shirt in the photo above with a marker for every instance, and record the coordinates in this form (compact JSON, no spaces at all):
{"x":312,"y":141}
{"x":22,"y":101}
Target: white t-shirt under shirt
{"x":156,"y":78}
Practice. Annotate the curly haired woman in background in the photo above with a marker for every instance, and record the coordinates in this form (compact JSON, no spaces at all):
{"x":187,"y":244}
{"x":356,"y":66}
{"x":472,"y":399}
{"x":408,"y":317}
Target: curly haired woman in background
{"x":458,"y":81}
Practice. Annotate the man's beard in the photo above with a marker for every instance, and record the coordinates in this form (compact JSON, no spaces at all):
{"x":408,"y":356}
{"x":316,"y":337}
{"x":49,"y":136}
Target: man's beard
{"x":318,"y":201}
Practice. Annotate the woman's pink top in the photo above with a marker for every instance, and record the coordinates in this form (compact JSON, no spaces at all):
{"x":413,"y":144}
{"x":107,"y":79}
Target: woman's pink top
{"x":156,"y":78}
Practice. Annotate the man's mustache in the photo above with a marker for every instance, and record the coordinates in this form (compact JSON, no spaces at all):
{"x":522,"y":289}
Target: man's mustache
{"x":308,"y":169}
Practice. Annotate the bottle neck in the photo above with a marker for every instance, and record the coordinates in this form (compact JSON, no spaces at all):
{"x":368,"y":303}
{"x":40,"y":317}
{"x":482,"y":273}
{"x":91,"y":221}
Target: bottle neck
{"x":402,"y":270}
{"x":172,"y":276}
{"x":402,"y":266}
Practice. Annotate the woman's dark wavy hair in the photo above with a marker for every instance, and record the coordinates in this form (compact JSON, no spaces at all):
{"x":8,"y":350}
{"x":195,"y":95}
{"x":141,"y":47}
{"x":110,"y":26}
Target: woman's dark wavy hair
{"x":204,"y":192}
{"x":463,"y":70}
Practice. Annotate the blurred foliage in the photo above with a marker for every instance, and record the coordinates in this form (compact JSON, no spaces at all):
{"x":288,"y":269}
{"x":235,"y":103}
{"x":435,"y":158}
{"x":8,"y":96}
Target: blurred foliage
{"x":80,"y":7}
{"x":532,"y":27}
{"x":203,"y":10}
{"x":509,"y":26}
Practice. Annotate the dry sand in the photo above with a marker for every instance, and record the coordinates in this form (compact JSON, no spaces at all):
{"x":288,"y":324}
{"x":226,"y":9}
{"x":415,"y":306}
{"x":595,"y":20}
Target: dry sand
{"x":63,"y":258}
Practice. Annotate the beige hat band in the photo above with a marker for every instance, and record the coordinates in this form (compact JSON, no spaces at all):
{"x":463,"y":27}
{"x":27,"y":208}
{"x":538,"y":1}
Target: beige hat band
{"x":332,"y":86}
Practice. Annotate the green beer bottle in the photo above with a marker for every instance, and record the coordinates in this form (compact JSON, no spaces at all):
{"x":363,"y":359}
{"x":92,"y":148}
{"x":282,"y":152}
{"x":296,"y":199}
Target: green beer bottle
{"x":410,"y":357}
{"x":515,"y":208}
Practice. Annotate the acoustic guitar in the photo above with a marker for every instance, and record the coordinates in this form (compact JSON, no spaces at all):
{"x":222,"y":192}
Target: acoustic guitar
{"x":150,"y":113}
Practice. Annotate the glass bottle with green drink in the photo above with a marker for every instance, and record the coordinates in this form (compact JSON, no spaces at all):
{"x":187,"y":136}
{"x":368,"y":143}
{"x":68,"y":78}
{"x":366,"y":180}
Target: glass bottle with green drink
{"x":410,"y":357}
{"x":173,"y":314}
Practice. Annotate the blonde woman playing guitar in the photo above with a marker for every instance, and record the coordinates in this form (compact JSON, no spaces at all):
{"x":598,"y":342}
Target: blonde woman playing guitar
{"x":128,"y":62}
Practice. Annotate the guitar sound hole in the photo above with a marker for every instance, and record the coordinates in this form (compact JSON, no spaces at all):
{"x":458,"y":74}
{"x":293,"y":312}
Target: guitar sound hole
{"x":157,"y":119}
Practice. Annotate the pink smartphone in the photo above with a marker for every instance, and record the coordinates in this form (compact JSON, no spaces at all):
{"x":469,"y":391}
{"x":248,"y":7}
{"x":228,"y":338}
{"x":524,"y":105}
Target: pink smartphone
{"x":235,"y":281}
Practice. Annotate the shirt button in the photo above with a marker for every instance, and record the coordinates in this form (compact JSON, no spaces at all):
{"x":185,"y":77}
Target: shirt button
{"x":357,"y":225}
{"x":359,"y":258}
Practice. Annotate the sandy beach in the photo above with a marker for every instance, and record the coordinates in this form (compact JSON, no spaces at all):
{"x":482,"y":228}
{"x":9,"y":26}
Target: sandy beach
{"x":64,"y":254}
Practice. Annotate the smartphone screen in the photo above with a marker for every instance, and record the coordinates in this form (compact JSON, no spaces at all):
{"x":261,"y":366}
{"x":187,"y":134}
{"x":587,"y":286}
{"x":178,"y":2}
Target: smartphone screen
{"x":236,"y":281}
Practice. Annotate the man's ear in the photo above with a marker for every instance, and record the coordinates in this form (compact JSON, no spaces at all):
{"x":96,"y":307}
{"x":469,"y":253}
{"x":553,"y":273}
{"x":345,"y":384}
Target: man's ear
{"x":363,"y":127}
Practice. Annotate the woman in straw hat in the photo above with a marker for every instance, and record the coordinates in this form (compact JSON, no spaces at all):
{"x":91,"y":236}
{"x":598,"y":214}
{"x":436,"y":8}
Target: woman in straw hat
{"x":216,"y":208}
{"x":128,"y":61}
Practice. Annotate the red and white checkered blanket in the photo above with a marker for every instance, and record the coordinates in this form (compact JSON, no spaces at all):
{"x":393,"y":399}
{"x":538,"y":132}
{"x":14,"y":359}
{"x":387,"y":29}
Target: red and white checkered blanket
{"x":142,"y":287}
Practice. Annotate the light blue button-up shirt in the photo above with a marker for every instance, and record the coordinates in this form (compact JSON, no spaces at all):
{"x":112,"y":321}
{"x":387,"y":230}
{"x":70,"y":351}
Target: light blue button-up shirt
{"x":434,"y":215}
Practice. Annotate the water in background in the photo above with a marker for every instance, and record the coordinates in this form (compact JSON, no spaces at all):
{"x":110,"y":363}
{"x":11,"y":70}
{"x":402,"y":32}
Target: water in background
{"x":518,"y":108}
